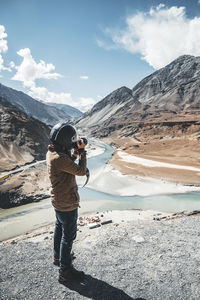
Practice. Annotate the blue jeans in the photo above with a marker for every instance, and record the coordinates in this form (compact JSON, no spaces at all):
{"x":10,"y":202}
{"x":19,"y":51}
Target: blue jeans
{"x":64,"y":235}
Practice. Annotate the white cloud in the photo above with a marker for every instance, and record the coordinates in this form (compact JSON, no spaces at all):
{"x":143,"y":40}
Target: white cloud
{"x":85,"y":104}
{"x":84,"y":77}
{"x":99,"y":97}
{"x":3,"y":46}
{"x":12,"y":65}
{"x":3,"y":42}
{"x":161,"y":5}
{"x":1,"y":62}
{"x":42,"y":93}
{"x":160,"y":36}
{"x":29,"y":71}
{"x":105,"y":44}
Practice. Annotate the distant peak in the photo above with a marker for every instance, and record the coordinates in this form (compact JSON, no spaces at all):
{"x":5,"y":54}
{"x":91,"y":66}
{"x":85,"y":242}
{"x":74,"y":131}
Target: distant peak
{"x":185,"y":57}
{"x":122,"y":89}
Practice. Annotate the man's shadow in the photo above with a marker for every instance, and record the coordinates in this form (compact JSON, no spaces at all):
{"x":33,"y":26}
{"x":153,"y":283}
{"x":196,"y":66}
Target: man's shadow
{"x":98,"y":290}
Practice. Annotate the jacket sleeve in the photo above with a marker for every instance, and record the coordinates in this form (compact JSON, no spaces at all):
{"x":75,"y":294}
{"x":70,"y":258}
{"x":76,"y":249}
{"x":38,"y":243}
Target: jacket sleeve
{"x":65,"y":164}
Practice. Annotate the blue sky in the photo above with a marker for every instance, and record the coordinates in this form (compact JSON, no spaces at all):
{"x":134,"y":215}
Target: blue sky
{"x":91,"y":47}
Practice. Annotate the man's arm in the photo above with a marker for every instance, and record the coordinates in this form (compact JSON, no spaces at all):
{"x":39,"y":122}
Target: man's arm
{"x":65,"y":164}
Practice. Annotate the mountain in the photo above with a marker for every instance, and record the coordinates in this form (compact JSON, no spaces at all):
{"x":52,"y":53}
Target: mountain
{"x":23,"y":138}
{"x":49,"y":114}
{"x":175,"y":86}
{"x":67,"y":109}
{"x":170,"y":95}
{"x":108,"y":107}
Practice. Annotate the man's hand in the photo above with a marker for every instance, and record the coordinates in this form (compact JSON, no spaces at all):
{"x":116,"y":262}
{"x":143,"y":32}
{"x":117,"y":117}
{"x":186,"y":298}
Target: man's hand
{"x":75,"y":153}
{"x":81,"y":146}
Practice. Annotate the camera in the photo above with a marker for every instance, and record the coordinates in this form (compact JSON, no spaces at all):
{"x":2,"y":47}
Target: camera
{"x":80,"y":144}
{"x":82,"y":141}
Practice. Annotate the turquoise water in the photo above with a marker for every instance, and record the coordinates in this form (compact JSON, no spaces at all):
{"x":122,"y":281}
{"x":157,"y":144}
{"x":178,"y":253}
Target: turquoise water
{"x":172,"y":202}
{"x":100,"y":160}
{"x":18,"y":220}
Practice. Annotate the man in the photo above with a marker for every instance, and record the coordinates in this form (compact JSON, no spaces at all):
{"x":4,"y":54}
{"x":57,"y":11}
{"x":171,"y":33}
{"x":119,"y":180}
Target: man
{"x":64,"y":194}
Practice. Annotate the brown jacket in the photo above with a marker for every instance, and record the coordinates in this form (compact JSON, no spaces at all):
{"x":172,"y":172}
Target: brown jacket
{"x":62,"y":170}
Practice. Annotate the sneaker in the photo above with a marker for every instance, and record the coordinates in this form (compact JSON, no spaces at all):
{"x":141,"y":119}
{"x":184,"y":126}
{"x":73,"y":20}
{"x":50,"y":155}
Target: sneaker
{"x":70,"y":274}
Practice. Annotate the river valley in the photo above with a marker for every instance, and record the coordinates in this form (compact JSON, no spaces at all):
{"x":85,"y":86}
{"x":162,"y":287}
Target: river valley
{"x":19,"y":220}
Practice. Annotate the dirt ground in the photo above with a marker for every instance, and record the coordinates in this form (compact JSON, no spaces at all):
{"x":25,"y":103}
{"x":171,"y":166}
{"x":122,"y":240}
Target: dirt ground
{"x":134,"y":257}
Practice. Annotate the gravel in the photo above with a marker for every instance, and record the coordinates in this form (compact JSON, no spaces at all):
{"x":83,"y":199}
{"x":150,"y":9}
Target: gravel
{"x":137,"y":259}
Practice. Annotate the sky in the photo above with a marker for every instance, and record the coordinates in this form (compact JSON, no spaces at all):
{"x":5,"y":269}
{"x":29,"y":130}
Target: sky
{"x":77,"y":52}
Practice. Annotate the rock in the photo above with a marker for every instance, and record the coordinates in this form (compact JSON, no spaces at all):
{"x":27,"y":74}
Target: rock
{"x":94,"y":219}
{"x":13,"y":242}
{"x":93,"y":225}
{"x":106,"y":222}
{"x":195,"y":212}
{"x":138,"y":239}
{"x":160,"y":218}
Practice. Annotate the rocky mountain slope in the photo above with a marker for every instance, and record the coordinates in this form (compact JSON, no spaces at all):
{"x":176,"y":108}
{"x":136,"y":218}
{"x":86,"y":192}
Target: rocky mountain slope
{"x":169,"y":97}
{"x":22,"y":137}
{"x":158,"y":120}
{"x":49,"y":114}
{"x":71,"y":111}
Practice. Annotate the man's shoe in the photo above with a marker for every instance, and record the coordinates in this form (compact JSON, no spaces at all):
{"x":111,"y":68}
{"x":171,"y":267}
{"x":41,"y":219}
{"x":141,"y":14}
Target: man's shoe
{"x":70,"y":274}
{"x":56,"y":259}
{"x":77,"y":273}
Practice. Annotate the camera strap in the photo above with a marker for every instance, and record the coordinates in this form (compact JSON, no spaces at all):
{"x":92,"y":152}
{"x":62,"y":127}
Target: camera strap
{"x":88,"y":176}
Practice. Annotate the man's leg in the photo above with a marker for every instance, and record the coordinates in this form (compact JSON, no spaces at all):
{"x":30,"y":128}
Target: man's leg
{"x":68,"y":221}
{"x":57,"y":240}
{"x":69,"y":229}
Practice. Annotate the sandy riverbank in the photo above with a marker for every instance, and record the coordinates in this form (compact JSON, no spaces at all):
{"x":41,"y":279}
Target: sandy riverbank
{"x":152,"y":168}
{"x":115,"y":215}
{"x":134,"y":257}
{"x":114,"y":179}
{"x":173,"y":160}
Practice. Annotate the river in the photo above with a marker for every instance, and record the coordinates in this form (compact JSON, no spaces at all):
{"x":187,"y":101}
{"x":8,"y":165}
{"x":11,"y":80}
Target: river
{"x":18,"y":220}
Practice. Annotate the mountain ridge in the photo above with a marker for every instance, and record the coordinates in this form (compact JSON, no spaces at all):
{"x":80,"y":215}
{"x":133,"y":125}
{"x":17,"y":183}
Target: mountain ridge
{"x":23,"y":138}
{"x":49,"y":114}
{"x":169,"y":94}
{"x":158,"y":122}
